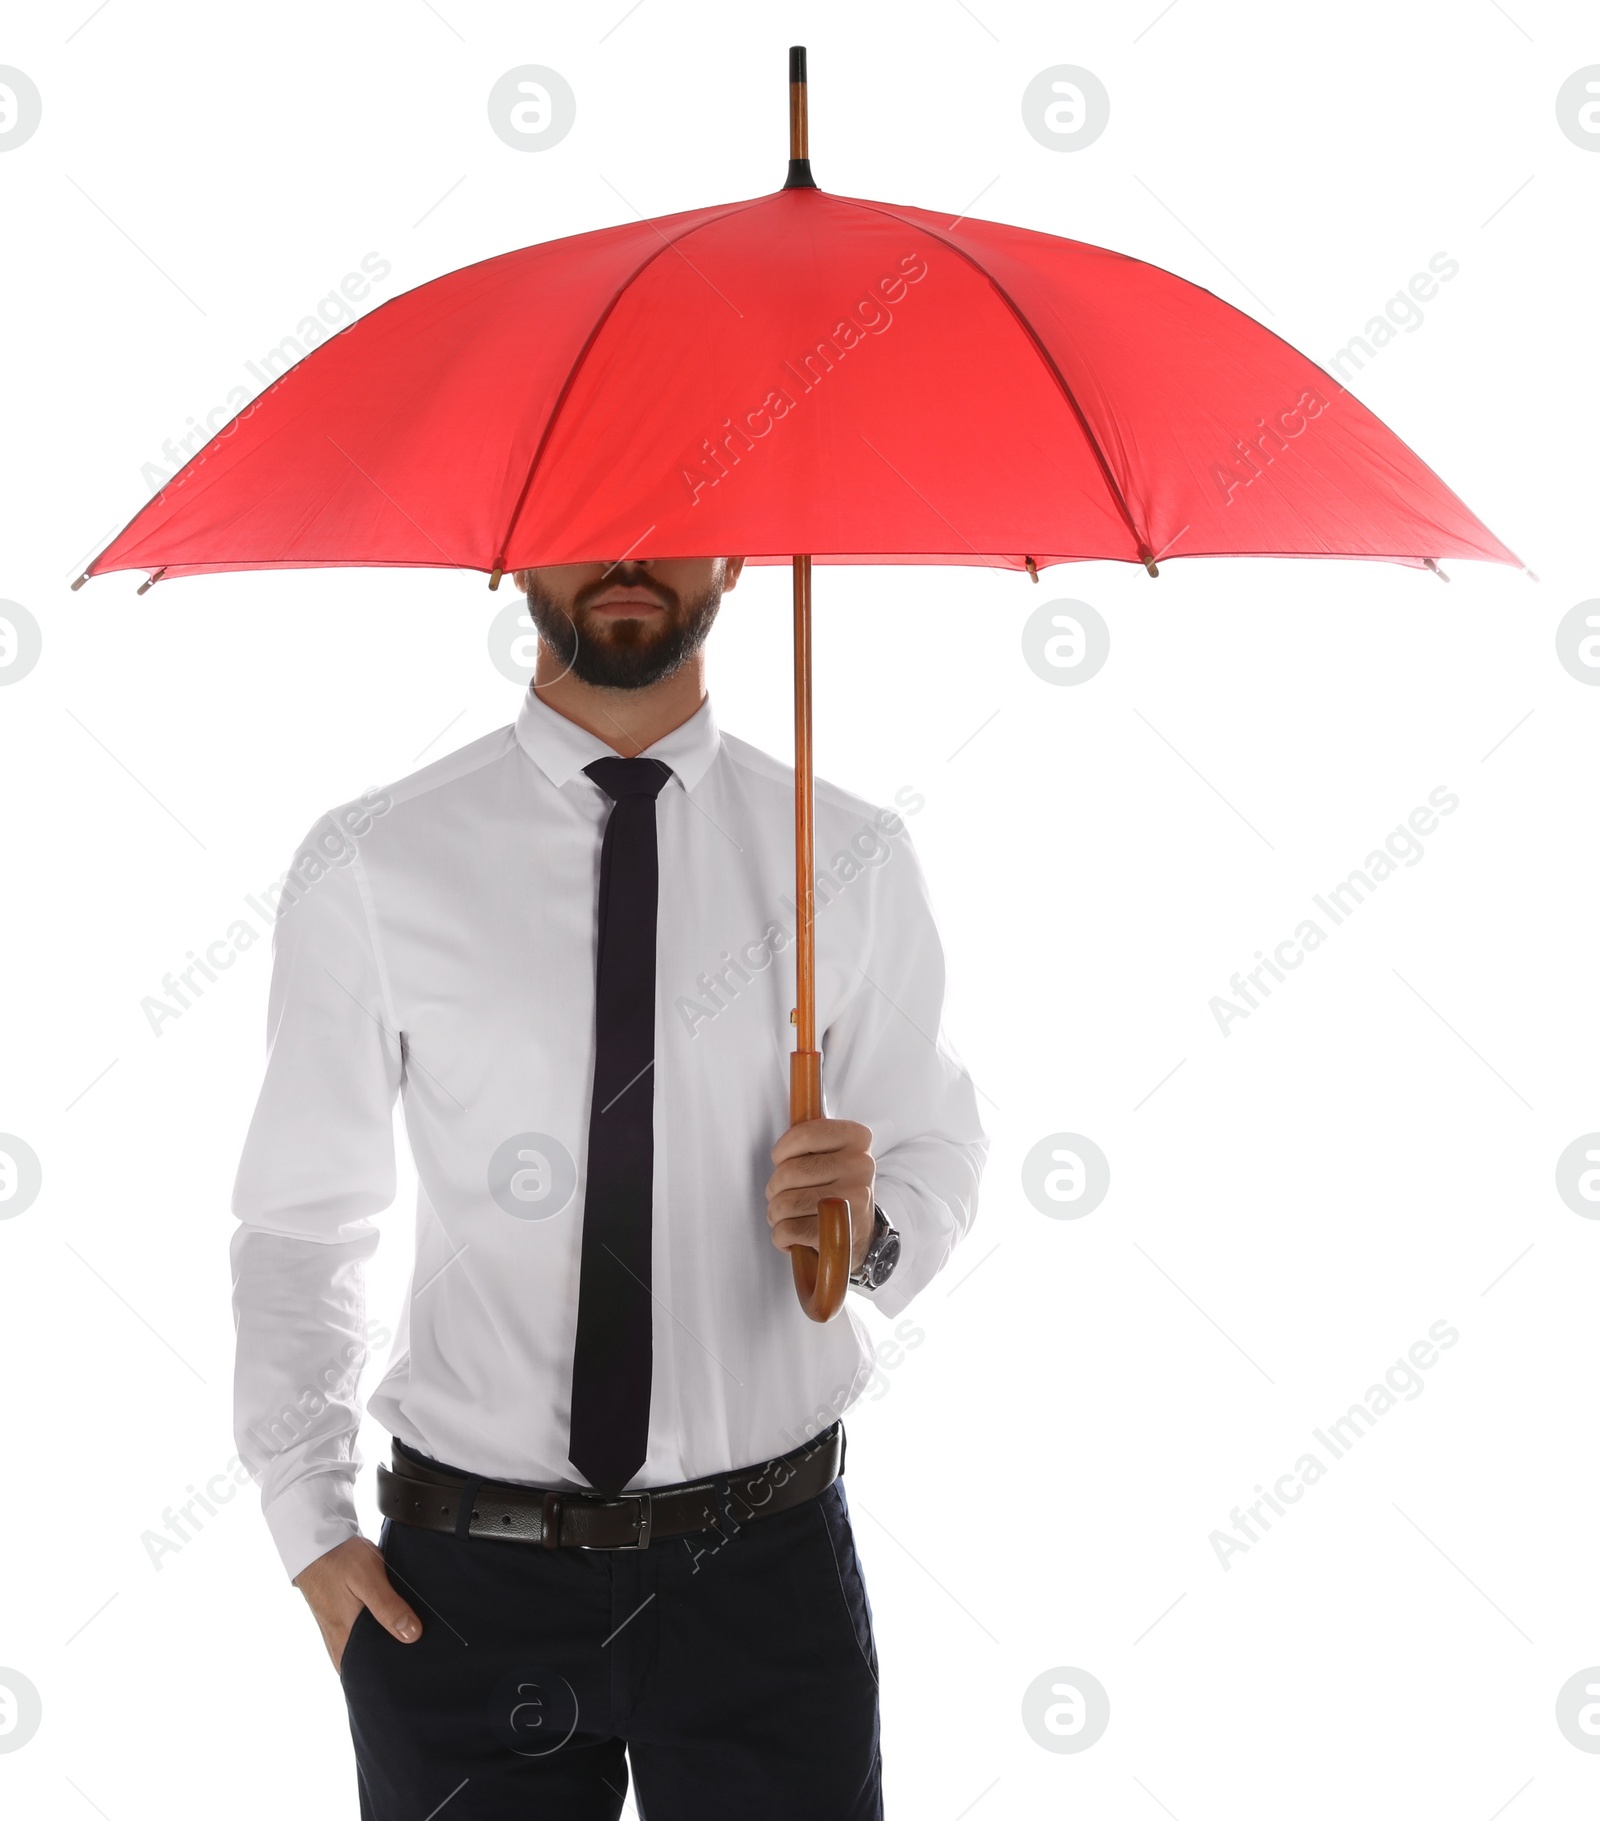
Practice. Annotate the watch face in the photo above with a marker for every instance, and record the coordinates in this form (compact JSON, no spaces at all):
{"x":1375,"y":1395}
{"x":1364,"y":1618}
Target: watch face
{"x":881,"y":1259}
{"x":891,"y":1254}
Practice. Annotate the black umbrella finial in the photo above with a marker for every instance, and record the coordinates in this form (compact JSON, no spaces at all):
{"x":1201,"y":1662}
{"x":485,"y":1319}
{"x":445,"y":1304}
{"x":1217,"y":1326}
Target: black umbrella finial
{"x":800,"y":177}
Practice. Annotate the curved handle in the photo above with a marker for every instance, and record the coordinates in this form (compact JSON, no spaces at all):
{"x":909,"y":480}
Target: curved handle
{"x":822,"y":1277}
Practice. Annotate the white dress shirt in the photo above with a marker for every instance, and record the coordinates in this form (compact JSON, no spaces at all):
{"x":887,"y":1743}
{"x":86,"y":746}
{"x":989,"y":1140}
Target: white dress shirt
{"x":436,"y":940}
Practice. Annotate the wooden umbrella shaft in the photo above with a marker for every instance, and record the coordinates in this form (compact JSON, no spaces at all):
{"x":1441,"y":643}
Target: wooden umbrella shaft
{"x":800,"y":177}
{"x":805,"y":865}
{"x":820,"y":1277}
{"x":797,"y":104}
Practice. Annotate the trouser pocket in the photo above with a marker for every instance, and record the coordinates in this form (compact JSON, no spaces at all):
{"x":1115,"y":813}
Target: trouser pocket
{"x":834,"y":1515}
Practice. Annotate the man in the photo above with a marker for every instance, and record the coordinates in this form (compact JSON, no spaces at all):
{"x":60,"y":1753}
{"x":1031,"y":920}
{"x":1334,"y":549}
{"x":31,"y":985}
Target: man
{"x":615,"y":1532}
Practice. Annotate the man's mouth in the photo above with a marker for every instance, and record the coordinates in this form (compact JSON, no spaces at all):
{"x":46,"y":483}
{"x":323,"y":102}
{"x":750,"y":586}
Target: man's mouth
{"x":626,"y":604}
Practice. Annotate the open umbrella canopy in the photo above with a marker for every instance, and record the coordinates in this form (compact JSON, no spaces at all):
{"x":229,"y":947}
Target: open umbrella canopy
{"x":801,"y":372}
{"x":802,"y":377}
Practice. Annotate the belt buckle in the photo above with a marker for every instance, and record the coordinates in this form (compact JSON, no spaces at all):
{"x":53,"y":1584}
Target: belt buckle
{"x":645,"y":1522}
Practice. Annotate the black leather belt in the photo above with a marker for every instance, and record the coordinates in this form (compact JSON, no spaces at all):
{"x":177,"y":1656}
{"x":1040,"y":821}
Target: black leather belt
{"x":432,"y":1497}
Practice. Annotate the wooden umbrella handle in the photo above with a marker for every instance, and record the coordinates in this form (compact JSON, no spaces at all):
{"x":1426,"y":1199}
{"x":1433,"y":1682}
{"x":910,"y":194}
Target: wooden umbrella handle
{"x":820,"y":1277}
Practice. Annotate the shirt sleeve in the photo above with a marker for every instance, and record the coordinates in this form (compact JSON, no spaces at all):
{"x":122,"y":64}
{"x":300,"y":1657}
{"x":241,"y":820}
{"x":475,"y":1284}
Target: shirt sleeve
{"x":888,"y":1065}
{"x":318,"y":1164}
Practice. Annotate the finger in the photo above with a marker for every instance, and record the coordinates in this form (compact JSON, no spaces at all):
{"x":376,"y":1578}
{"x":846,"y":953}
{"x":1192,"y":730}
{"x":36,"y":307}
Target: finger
{"x":802,"y":1231}
{"x":813,"y":1135}
{"x":801,"y":1196}
{"x":855,"y":1190}
{"x":798,"y":1226}
{"x":792,"y":1204}
{"x":376,"y":1592}
{"x":821,"y":1135}
{"x":809,"y":1169}
{"x":819,"y":1166}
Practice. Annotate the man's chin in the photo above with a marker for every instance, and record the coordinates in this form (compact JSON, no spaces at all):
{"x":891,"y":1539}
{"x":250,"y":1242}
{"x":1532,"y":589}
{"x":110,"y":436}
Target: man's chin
{"x":628,"y":653}
{"x":621,"y":679}
{"x":627,"y":633}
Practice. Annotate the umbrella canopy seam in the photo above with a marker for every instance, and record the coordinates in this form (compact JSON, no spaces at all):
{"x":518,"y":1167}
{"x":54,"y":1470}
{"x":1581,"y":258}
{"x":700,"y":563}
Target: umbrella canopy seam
{"x":1140,"y":539}
{"x":667,"y":246}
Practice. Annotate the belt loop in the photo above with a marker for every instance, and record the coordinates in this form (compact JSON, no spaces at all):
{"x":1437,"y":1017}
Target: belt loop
{"x":844,"y":1444}
{"x":550,"y":1520}
{"x":468,"y":1496}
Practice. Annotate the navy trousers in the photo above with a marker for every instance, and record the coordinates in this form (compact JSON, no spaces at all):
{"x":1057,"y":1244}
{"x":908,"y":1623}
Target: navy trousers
{"x":735,"y":1675}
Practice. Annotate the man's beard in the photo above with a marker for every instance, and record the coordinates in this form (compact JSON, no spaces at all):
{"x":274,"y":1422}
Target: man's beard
{"x":627,"y":654}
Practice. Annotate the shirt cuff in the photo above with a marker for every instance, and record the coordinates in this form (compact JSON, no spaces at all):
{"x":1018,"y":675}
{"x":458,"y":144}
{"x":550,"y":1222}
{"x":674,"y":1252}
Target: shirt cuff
{"x":311,"y":1517}
{"x":924,"y":1247}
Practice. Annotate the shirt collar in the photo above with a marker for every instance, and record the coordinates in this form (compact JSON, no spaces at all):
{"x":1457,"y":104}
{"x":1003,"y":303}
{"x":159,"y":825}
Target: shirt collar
{"x":561,"y":748}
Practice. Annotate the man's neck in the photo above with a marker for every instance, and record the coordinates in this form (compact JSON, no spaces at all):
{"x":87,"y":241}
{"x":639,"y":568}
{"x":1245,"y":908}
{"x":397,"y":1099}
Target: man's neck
{"x":628,"y":720}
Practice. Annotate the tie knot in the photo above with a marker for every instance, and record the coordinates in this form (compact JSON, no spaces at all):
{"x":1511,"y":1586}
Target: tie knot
{"x":629,"y":777}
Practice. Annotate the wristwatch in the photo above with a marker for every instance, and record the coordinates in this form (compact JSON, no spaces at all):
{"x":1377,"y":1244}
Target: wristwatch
{"x":882,"y":1255}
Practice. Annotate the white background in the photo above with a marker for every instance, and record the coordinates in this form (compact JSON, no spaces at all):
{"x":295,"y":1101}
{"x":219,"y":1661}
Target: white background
{"x":1370,"y":1152}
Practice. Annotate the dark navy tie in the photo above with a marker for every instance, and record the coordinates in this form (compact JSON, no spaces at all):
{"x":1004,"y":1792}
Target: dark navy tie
{"x":612,"y":1361}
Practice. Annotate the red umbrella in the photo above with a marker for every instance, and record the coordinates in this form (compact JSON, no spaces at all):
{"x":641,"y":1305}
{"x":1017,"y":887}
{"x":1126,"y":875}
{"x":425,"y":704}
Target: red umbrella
{"x":860,"y":381}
